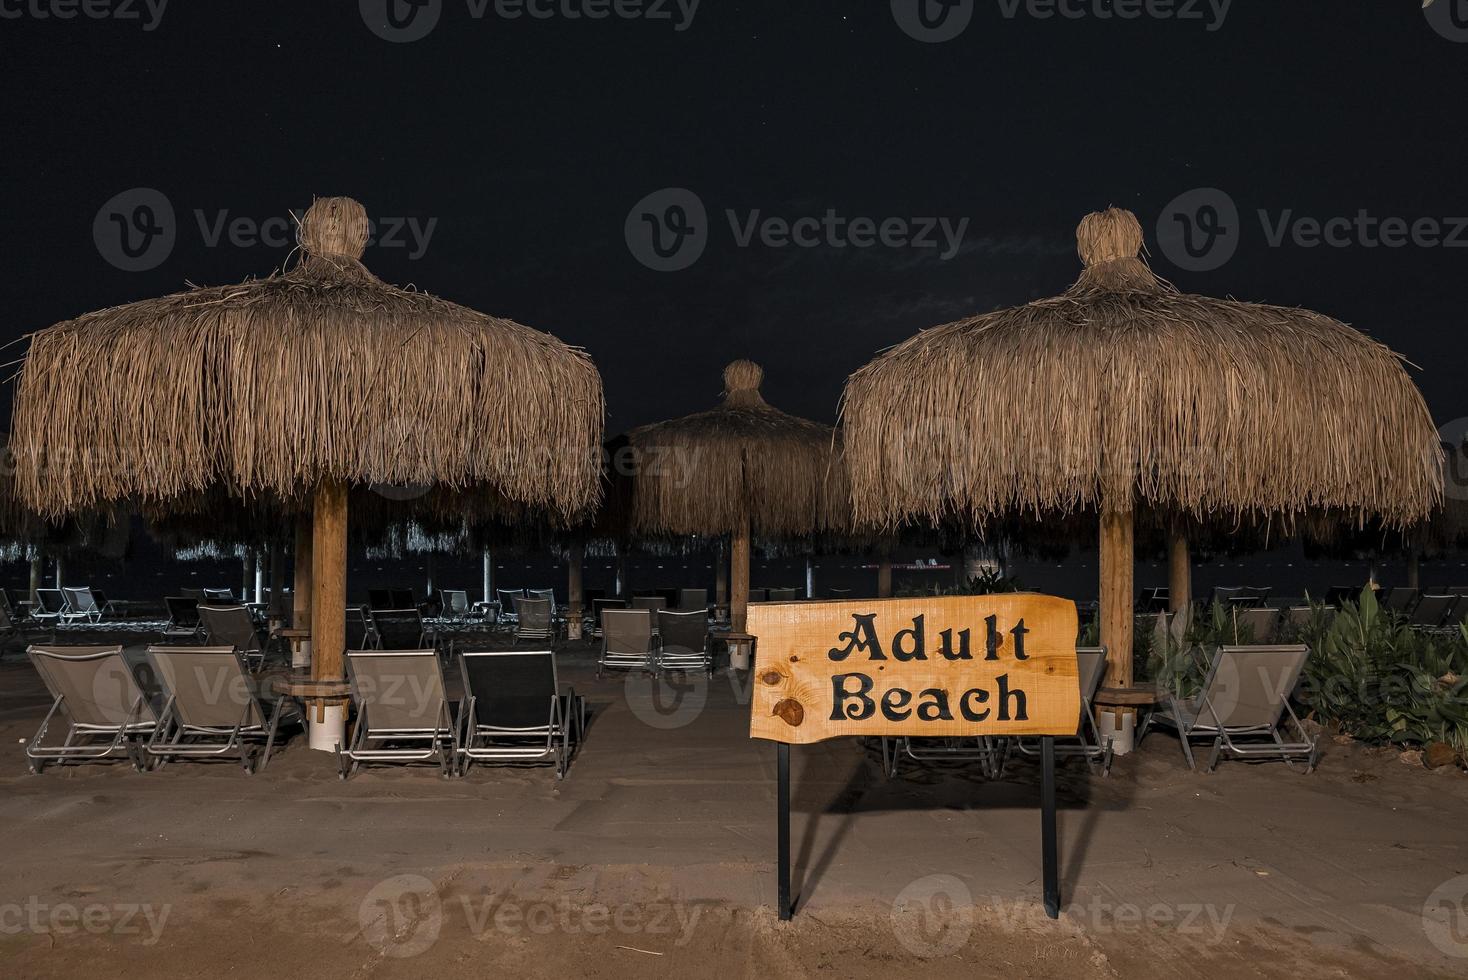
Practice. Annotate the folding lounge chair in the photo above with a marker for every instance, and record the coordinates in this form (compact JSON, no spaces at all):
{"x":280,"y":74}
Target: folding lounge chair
{"x":80,"y":604}
{"x":597,"y":605}
{"x":683,"y":641}
{"x":838,"y":593}
{"x":183,"y":617}
{"x":1243,"y":700}
{"x":690,"y":599}
{"x":455,"y":603}
{"x":626,"y":640}
{"x":1400,"y":600}
{"x":361,"y":635}
{"x":214,"y":710}
{"x":403,"y":714}
{"x":533,"y":620}
{"x":759,"y":595}
{"x":219,"y":597}
{"x":507,"y":603}
{"x":1089,"y":743}
{"x":1432,"y":612}
{"x":50,"y":608}
{"x":1255,"y":626}
{"x":784,"y":595}
{"x":547,"y":594}
{"x":399,"y":629}
{"x":107,"y":711}
{"x":233,"y":626}
{"x":516,"y":710}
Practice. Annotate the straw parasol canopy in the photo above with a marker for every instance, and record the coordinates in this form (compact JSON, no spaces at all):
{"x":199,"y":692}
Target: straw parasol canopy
{"x":742,"y":467}
{"x":300,"y":385}
{"x":1124,"y":392}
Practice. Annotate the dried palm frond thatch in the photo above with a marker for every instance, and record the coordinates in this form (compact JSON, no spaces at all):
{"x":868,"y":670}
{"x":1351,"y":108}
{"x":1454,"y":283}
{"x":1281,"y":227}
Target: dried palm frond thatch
{"x":707,"y":473}
{"x":321,"y":373}
{"x":1123,"y":391}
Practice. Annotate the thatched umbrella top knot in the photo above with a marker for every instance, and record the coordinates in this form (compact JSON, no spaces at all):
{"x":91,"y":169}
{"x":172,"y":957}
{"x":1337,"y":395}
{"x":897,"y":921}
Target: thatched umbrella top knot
{"x":741,"y":384}
{"x":1110,"y":245}
{"x":334,"y":227}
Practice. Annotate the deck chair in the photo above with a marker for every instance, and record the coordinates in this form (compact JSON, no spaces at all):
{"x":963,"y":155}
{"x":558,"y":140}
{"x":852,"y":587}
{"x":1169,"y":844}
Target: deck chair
{"x":1401,"y":600}
{"x":192,"y":594}
{"x":694,"y":599}
{"x":784,"y":595}
{"x":50,"y":608}
{"x":399,"y":629}
{"x":626,"y":640}
{"x":1432,"y":612}
{"x":507,"y":603}
{"x":233,"y":626}
{"x":183,"y":616}
{"x":1254,"y":596}
{"x":403,"y":714}
{"x":80,"y":604}
{"x":1257,"y":626}
{"x":838,"y":593}
{"x":547,"y":594}
{"x":1243,"y":700}
{"x":597,"y":605}
{"x":759,"y":595}
{"x":379,"y":598}
{"x":220,"y":597}
{"x":1089,"y":742}
{"x":455,"y":603}
{"x":515,"y":710}
{"x":651,"y":603}
{"x":683,"y":641}
{"x":533,"y":619}
{"x":107,"y":712}
{"x":361,"y":634}
{"x":214,"y":710}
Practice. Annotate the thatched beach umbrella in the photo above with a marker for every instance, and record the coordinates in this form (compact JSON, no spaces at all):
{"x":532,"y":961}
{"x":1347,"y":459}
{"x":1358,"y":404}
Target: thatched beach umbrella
{"x":1123,"y":392}
{"x":743,"y":467}
{"x":301,"y":385}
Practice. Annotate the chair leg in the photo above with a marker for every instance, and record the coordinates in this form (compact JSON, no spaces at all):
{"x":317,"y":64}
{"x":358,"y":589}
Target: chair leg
{"x":1182,"y":737}
{"x":270,"y":735}
{"x":1217,"y":751}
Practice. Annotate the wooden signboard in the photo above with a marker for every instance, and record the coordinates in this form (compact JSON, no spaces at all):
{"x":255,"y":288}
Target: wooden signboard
{"x":927,"y":667}
{"x":933,"y":666}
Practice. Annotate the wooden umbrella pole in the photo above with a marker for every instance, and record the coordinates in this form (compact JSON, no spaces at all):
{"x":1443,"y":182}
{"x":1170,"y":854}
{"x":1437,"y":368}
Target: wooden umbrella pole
{"x":739,"y":575}
{"x":721,"y":579}
{"x":1116,"y":596}
{"x":574,"y":594}
{"x":1179,"y":571}
{"x":301,"y":586}
{"x":329,"y":580}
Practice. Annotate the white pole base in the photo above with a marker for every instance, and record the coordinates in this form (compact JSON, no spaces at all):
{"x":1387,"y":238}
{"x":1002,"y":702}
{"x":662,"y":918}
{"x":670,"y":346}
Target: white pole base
{"x":325,"y":736}
{"x":1123,"y":738}
{"x":301,"y":654}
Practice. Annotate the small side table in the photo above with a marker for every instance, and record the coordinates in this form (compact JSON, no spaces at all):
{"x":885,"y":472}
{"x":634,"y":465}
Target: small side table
{"x":325,"y":703}
{"x":741,"y":648}
{"x":299,"y":637}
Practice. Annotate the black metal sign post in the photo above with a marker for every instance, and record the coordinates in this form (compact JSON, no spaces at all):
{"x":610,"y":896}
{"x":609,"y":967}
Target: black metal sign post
{"x":1049,"y":842}
{"x":782,"y":794}
{"x":1049,"y":846}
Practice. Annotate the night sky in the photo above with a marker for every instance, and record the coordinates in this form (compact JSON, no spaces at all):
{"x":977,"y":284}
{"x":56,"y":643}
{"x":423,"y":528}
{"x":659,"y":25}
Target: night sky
{"x":526,"y":143}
